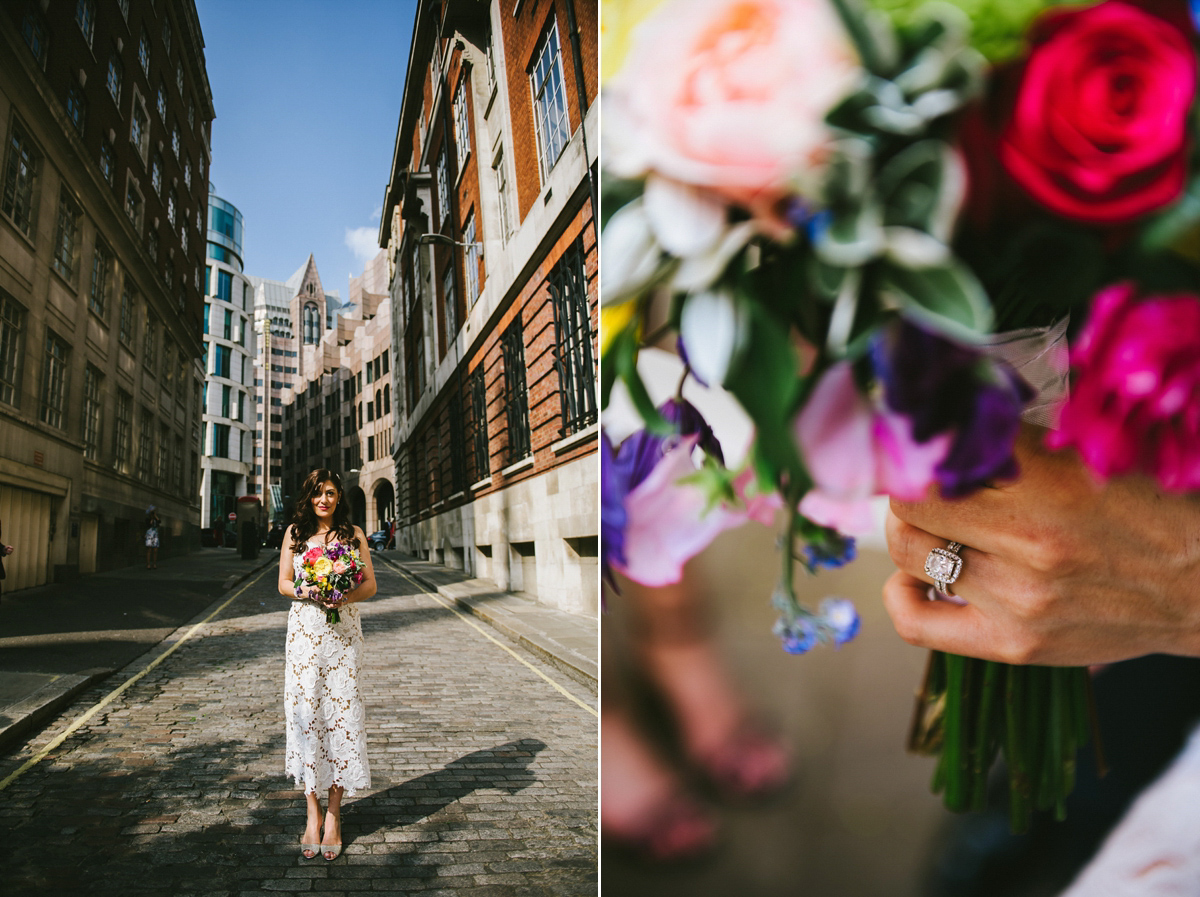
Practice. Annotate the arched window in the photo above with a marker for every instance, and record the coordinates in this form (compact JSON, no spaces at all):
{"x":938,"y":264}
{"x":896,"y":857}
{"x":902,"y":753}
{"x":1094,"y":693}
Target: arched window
{"x":312,"y":328}
{"x":387,"y":399}
{"x":378,"y":403}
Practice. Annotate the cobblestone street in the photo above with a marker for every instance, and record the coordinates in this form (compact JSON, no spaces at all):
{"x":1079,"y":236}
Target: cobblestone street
{"x":484,"y":772}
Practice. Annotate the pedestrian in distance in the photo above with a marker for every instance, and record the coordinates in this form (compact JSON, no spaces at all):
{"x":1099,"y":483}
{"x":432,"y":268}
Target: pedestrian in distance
{"x":326,"y":728}
{"x":152,"y":524}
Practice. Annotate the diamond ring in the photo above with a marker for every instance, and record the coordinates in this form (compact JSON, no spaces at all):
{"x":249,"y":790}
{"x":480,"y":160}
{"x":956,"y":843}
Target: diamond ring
{"x":943,"y":565}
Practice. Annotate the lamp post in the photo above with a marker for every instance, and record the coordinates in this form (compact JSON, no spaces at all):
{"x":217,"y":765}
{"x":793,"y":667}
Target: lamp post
{"x":264,"y":326}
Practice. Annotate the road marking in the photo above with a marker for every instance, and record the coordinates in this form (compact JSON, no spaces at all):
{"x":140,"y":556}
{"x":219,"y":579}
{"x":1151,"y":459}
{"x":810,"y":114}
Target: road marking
{"x":117,"y":692}
{"x":487,"y":635}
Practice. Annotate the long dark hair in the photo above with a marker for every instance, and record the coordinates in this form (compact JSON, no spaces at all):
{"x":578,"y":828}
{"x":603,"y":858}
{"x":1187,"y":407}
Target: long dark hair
{"x":305,"y":523}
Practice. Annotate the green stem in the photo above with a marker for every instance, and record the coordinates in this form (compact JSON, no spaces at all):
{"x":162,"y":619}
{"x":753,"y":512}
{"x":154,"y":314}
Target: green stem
{"x":1059,"y":724}
{"x":985,"y":740}
{"x":1016,"y":750}
{"x":954,"y":744}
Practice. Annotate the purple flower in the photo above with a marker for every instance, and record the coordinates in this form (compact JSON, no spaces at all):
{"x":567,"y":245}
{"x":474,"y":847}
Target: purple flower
{"x":982,"y":449}
{"x":840,"y":619}
{"x":614,"y":485}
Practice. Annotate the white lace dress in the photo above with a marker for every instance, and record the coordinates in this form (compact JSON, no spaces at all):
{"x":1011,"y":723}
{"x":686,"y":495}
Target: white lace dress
{"x":326,"y":727}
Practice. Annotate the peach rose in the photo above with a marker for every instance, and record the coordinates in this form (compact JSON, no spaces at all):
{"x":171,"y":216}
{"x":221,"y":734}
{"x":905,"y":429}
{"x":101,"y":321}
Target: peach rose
{"x":730,"y":95}
{"x":339,"y":567}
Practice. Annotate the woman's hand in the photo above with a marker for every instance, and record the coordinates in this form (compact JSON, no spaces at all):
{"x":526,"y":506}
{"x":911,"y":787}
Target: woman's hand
{"x":1057,"y":570}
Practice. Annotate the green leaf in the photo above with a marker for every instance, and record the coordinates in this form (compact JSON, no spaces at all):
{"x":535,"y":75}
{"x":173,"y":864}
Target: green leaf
{"x":854,"y":236}
{"x":628,"y":372}
{"x":1184,"y":216}
{"x":947,"y":299}
{"x":616,"y":193}
{"x":921,"y":188}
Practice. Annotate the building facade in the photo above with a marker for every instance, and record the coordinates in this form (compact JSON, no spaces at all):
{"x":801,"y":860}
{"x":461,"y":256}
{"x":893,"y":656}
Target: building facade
{"x":105,"y":117}
{"x":229,"y":354}
{"x":489,"y":224}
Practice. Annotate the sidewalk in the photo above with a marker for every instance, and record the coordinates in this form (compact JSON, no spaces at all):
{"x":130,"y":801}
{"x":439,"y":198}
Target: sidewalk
{"x":568,"y":641}
{"x":59,"y":639}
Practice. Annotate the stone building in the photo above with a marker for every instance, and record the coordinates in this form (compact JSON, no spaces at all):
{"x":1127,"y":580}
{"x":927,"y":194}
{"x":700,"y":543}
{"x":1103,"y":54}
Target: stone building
{"x":489,"y":224}
{"x":229,"y":354}
{"x":338,"y":412}
{"x":105,"y":111}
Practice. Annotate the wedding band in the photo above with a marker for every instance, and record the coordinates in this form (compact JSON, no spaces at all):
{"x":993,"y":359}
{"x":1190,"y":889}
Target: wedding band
{"x":943,"y":565}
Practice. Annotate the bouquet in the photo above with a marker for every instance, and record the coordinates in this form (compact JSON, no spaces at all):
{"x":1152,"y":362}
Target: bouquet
{"x":333,"y":570}
{"x":829,"y":210}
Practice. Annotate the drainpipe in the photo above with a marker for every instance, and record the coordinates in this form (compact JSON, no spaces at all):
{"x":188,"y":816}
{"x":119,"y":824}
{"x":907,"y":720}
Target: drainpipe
{"x":577,"y":55}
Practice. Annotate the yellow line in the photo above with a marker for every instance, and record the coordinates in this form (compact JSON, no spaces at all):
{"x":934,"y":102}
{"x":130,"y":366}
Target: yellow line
{"x":108,"y":699}
{"x":487,"y":635}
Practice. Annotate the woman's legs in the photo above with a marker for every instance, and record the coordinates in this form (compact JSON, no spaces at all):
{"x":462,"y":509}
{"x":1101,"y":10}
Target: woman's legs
{"x":149,"y":555}
{"x":312,"y":828}
{"x":333,"y":820}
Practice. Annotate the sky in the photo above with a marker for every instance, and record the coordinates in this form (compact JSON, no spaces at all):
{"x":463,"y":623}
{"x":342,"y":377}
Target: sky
{"x":307,"y":95}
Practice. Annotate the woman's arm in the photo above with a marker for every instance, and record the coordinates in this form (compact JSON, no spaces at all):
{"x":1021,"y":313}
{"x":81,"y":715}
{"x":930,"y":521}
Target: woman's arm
{"x":367,"y":588}
{"x":287,"y":586}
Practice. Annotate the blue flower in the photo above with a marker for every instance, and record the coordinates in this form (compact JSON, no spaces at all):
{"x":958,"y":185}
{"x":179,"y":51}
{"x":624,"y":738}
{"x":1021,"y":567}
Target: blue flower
{"x":799,"y":636}
{"x":840,"y":619}
{"x":834,"y":551}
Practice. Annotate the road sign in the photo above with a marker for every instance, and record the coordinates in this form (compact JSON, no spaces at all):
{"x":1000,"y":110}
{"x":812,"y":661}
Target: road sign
{"x":232,"y":516}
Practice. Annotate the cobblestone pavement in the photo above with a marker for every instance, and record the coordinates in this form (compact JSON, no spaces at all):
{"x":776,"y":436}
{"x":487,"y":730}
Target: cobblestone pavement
{"x":484,"y":774}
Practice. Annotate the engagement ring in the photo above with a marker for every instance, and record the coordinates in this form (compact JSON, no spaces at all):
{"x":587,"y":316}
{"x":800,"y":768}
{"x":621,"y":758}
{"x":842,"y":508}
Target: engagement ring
{"x":943,"y":565}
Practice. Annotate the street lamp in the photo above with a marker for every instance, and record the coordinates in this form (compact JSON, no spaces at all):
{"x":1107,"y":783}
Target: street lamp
{"x":264,"y":327}
{"x":426,"y":239}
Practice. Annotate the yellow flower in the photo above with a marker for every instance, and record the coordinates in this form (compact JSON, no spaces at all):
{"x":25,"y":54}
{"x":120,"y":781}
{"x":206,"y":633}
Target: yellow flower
{"x":323,"y":567}
{"x":618,"y":18}
{"x":613,"y":320}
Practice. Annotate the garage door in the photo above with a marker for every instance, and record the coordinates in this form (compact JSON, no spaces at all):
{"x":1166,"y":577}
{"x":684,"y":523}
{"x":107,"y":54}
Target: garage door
{"x":25,"y":518}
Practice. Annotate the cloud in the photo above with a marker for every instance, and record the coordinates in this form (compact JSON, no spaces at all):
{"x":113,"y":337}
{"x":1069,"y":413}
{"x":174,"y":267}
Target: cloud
{"x":377,"y":214}
{"x":363,"y":242}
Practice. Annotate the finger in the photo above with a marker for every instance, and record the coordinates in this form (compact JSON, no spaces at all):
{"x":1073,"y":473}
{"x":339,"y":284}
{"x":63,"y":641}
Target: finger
{"x":982,"y":519}
{"x":940,"y":625}
{"x":910,"y":547}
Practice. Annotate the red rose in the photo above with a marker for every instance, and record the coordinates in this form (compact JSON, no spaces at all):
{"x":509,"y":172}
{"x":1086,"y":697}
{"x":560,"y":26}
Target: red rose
{"x":1098,"y":132}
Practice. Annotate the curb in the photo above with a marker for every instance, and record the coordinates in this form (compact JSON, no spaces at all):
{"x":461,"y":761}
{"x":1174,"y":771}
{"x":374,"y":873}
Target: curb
{"x":578,"y":668}
{"x":34,"y":711}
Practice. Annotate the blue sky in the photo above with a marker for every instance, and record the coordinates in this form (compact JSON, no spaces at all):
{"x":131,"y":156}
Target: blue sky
{"x":307,"y":95}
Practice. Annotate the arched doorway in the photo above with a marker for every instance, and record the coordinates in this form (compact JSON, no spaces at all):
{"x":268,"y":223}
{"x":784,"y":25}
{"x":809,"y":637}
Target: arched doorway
{"x":358,"y":508}
{"x":385,"y":504}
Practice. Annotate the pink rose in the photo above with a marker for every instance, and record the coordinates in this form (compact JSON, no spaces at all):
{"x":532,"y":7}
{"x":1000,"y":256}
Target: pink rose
{"x":1135,"y":403}
{"x":730,"y":95}
{"x":854,"y":451}
{"x":1099,"y":130}
{"x":339,"y":567}
{"x":312,"y":554}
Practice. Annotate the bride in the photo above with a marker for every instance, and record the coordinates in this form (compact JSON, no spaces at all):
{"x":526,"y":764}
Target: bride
{"x":326,"y":728}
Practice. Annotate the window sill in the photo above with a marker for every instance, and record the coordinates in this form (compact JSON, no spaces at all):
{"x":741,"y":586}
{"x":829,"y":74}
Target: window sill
{"x":482,"y":484}
{"x":524,"y":463}
{"x":569,"y":442}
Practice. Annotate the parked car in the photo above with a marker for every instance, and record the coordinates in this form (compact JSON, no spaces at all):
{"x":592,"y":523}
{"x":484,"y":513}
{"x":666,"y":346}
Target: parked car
{"x":274,"y":537}
{"x":378,"y":540}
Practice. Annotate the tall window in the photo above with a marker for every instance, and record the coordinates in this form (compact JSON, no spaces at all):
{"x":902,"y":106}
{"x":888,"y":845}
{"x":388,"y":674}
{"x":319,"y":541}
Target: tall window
{"x":134,"y":204}
{"x":156,"y":170}
{"x":150,"y":342}
{"x":179,"y":82}
{"x":502,"y":193}
{"x":116,"y":72}
{"x":225,"y":286}
{"x":126,"y":328}
{"x":175,"y":140}
{"x":144,"y":52}
{"x":479,"y":435}
{"x":172,"y":202}
{"x":76,"y":108}
{"x":168,"y":364}
{"x":162,"y":470}
{"x":471,"y":260}
{"x":462,"y":125}
{"x":102,"y":267}
{"x":107,"y":164}
{"x":34,"y":32}
{"x":139,"y":126}
{"x":221,"y":367}
{"x":19,"y":173}
{"x":123,"y":431}
{"x":516,"y":396}
{"x":228,"y":324}
{"x":91,"y":412}
{"x":146,"y":447}
{"x":387,"y":398}
{"x":66,"y":236}
{"x":575,"y":358}
{"x":166,"y":34}
{"x":549,"y":101}
{"x":451,"y":304}
{"x":177,"y":467}
{"x":187,"y":175}
{"x":85,"y":18}
{"x":226,"y":395}
{"x":443,"y":189}
{"x":12,"y":344}
{"x":152,"y":244}
{"x":312,"y":324}
{"x":161,"y":100}
{"x":54,"y":381}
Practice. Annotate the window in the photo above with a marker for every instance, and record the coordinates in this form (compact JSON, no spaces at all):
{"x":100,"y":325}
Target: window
{"x":76,"y":107}
{"x":451,"y":304}
{"x":91,"y":412}
{"x":207,"y":310}
{"x":168,"y":364}
{"x":161,"y":101}
{"x":549,"y":102}
{"x":107,"y":166}
{"x":172,"y":202}
{"x":156,"y":170}
{"x":126,"y":328}
{"x":471,"y":260}
{"x":144,"y":53}
{"x":311,"y":324}
{"x":224,"y":286}
{"x":221,"y":366}
{"x":228,"y":324}
{"x":54,"y":381}
{"x":370,"y":411}
{"x":191,"y":115}
{"x":116,"y":72}
{"x":150,"y":342}
{"x":12,"y":344}
{"x":145,"y":447}
{"x":387,"y":398}
{"x":152,"y":244}
{"x":370,"y":448}
{"x":385,"y":361}
{"x":462,"y":133}
{"x":123,"y":431}
{"x":166,"y":35}
{"x":502,"y":193}
{"x":183,"y":235}
{"x":175,"y":140}
{"x":139,"y":126}
{"x":134,"y":204}
{"x":516,"y":396}
{"x":179,"y":78}
{"x":226,"y":395}
{"x":124,"y":7}
{"x":66,"y":236}
{"x":187,"y":182}
{"x":177,"y":467}
{"x":162,"y":470}
{"x":85,"y":18}
{"x":19,"y":174}
{"x":102,"y":267}
{"x":479,"y":440}
{"x":34,"y":32}
{"x":574,"y":357}
{"x":443,"y":189}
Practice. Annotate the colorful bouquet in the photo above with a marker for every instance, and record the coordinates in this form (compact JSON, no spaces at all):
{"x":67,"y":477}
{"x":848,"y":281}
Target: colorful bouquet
{"x":333,"y":570}
{"x":829,"y":210}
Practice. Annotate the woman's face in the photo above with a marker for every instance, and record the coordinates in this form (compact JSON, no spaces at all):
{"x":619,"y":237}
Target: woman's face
{"x":325,"y":500}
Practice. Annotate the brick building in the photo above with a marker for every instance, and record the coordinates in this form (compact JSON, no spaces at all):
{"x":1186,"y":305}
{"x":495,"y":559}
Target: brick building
{"x":105,"y":116}
{"x":489,"y":225}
